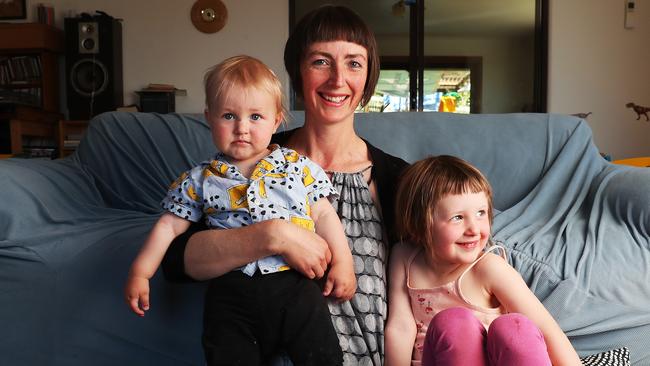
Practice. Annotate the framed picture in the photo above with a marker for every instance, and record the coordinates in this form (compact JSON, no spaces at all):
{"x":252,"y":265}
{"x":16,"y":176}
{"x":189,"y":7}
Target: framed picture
{"x":13,"y":9}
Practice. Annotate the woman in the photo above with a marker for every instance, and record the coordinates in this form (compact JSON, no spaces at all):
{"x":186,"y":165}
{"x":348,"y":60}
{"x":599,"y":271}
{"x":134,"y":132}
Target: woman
{"x":331,"y":57}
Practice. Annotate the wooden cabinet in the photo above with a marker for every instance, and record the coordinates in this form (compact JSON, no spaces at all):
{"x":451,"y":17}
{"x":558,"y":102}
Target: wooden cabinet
{"x":69,"y":135}
{"x":29,"y":83}
{"x":18,"y":122}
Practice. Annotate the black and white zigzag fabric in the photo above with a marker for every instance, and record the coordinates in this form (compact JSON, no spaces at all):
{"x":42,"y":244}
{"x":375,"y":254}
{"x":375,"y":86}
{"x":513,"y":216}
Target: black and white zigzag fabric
{"x":615,"y":357}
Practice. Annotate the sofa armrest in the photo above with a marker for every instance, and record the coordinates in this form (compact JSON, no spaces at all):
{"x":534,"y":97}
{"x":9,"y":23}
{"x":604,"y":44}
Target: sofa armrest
{"x":626,"y":194}
{"x":39,"y":194}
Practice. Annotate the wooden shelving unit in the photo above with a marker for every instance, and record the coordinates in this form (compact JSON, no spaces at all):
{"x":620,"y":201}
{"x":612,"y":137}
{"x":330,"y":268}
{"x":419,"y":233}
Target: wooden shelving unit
{"x":29,"y":62}
{"x":39,"y":42}
{"x":69,"y":135}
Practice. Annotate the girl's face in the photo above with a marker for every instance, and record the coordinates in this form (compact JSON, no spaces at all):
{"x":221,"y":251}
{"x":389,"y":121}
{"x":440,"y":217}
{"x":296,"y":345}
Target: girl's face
{"x":461,"y":227}
{"x":334,"y":75}
{"x":242,"y":122}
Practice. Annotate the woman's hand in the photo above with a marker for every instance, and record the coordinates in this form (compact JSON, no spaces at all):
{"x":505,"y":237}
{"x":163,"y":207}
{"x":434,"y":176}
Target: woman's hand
{"x":211,"y":253}
{"x":303,"y":250}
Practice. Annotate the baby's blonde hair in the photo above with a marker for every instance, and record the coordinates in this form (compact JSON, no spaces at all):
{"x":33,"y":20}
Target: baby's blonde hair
{"x":243,"y":71}
{"x":424,"y":184}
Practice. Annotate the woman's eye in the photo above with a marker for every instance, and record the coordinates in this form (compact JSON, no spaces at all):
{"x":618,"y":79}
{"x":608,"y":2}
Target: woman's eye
{"x":256,"y":117}
{"x":320,"y":62}
{"x":355,"y":64}
{"x":228,"y":116}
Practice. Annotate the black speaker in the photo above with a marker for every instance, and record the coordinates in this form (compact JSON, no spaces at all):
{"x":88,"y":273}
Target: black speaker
{"x":93,"y":64}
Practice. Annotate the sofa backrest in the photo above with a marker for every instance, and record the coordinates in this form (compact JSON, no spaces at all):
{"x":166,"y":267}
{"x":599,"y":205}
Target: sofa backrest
{"x":133,"y":156}
{"x":512,"y":150}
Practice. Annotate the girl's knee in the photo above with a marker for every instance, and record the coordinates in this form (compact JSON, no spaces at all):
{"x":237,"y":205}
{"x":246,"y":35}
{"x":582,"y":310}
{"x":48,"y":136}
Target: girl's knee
{"x":455,"y":323}
{"x":454,"y":337}
{"x":514,"y":324}
{"x":514,"y":339}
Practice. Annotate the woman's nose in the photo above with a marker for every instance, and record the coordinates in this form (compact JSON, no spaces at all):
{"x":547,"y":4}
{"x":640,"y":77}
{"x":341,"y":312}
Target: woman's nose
{"x":337,"y":76}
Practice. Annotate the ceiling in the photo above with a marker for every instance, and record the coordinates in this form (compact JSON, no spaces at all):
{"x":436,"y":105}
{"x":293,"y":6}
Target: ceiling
{"x":442,"y":17}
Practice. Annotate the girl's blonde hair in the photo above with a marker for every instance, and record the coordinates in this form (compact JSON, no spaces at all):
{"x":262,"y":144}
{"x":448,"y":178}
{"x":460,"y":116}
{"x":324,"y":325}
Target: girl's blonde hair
{"x":424,"y":184}
{"x":242,"y":71}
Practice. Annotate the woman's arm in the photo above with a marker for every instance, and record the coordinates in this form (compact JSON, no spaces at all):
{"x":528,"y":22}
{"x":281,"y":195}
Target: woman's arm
{"x":512,"y":292}
{"x":207,"y":254}
{"x":400,"y":327}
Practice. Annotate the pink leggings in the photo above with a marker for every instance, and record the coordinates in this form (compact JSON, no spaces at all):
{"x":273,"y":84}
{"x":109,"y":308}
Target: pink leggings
{"x":456,"y":337}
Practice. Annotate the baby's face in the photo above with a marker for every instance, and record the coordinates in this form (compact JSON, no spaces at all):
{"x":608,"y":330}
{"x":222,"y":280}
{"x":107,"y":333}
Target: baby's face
{"x":242,"y":123}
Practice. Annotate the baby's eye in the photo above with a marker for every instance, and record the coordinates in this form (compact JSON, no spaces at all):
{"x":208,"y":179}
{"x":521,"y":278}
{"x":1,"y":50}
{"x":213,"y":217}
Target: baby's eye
{"x":256,"y":117}
{"x":457,"y":218}
{"x":481,"y":213}
{"x":228,"y":116}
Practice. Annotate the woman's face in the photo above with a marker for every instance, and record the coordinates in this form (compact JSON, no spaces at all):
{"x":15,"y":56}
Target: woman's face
{"x":334,"y":75}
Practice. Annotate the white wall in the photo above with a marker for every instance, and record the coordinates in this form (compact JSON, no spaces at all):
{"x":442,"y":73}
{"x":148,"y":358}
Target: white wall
{"x":595,"y":65}
{"x":161,"y":45}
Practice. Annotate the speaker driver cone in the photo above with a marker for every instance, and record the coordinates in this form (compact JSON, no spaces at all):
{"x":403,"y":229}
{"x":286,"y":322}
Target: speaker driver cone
{"x":88,"y":77}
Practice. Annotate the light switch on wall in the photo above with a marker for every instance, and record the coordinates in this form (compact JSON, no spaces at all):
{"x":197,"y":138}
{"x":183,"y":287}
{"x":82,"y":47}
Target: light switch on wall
{"x":630,"y":15}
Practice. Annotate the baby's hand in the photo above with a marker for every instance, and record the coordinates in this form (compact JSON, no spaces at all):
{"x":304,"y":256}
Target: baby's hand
{"x":137,"y":293}
{"x":341,"y":282}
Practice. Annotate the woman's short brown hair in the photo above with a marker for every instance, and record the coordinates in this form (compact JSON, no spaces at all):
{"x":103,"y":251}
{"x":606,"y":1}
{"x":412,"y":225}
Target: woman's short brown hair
{"x":424,"y":184}
{"x":331,"y":23}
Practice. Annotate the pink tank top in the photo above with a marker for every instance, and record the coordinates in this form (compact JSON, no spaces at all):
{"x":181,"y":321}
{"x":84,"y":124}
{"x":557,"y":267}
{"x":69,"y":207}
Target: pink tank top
{"x":427,"y":302}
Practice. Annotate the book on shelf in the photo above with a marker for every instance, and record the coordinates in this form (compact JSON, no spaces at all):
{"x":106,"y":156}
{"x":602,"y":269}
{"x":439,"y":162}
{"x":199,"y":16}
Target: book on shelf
{"x":20,"y":80}
{"x":38,"y":153}
{"x":19,"y":69}
{"x":45,"y":14}
{"x":73,"y":144}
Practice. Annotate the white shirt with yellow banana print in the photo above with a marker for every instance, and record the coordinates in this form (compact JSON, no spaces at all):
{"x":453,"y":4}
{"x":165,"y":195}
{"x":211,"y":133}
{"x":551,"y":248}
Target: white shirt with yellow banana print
{"x":283,"y":185}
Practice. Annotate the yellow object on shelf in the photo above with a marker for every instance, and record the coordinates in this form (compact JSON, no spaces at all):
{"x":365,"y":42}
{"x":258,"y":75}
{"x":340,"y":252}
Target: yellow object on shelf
{"x":643,"y":161}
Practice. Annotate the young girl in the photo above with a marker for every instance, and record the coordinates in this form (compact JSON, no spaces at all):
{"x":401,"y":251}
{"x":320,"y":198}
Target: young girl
{"x":263,"y":306}
{"x":452,"y":299}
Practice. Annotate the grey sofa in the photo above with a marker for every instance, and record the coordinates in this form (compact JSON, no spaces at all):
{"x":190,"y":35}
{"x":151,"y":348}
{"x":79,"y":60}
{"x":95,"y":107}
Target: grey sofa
{"x":575,"y":226}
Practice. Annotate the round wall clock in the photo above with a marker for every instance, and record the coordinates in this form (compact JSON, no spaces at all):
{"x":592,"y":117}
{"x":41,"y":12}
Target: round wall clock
{"x":209,"y":16}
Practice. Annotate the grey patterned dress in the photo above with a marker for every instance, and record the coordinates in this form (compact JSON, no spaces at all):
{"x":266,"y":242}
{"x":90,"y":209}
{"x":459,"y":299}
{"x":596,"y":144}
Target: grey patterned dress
{"x":359,"y":322}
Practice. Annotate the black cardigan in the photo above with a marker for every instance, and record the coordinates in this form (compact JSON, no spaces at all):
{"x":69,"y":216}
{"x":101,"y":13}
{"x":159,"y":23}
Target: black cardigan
{"x":385,"y":173}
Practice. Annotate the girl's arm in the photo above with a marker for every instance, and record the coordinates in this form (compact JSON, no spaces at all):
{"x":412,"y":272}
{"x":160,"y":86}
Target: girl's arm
{"x":400,"y":327}
{"x":514,"y":295}
{"x":164,"y":231}
{"x":341,"y":281}
{"x":145,"y":264}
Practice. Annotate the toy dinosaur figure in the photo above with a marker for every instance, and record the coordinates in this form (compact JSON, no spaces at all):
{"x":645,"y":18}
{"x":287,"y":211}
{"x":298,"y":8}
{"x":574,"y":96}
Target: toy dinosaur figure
{"x":582,"y":115}
{"x":640,"y":110}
